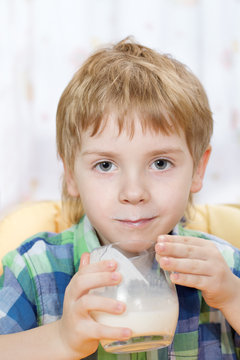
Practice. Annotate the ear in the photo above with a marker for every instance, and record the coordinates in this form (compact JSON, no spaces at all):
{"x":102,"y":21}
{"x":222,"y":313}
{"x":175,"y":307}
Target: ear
{"x":70,"y":182}
{"x":197,"y":181}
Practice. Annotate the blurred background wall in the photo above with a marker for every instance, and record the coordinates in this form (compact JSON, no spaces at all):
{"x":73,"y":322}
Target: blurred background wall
{"x":43,"y":42}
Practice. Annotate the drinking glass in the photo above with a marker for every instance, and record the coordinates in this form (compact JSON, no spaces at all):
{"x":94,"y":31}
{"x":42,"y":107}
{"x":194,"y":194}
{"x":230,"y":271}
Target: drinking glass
{"x":151,"y":299}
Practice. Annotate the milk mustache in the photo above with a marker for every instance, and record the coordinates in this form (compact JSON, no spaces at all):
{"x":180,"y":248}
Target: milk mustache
{"x":151,"y":299}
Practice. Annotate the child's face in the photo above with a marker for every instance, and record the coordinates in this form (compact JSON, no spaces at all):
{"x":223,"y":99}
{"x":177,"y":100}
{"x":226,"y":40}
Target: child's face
{"x":134,"y":188}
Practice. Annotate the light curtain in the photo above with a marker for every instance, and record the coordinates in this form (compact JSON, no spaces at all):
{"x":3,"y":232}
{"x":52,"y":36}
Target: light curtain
{"x":42,"y":43}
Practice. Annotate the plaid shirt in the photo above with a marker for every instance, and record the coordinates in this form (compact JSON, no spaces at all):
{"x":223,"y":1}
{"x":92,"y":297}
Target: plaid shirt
{"x":35,"y":277}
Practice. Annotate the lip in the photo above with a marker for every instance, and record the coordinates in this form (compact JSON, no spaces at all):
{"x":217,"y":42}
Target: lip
{"x":138,"y":223}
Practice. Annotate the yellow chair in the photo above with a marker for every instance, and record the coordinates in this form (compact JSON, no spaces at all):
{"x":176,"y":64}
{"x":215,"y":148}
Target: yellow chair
{"x":30,"y":218}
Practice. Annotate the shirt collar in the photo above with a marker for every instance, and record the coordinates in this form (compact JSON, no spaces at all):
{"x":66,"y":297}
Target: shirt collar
{"x":85,"y":240}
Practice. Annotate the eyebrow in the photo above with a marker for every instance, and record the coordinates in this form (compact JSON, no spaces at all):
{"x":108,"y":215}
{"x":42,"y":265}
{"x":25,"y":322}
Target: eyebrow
{"x":161,"y":151}
{"x":169,"y":150}
{"x":99,"y":152}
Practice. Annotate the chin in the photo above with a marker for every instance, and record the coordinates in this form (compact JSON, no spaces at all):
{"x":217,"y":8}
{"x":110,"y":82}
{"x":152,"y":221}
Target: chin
{"x":132,"y":244}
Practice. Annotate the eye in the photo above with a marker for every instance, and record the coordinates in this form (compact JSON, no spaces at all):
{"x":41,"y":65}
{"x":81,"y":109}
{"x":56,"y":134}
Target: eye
{"x":105,"y":166}
{"x":161,"y":164}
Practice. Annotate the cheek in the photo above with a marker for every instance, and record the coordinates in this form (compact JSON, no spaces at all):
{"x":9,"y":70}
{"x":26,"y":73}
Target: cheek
{"x":91,"y":200}
{"x":175,"y":195}
{"x":174,"y":187}
{"x":96,"y":200}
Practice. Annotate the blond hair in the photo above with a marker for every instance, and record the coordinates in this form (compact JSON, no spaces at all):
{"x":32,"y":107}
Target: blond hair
{"x":130,"y":78}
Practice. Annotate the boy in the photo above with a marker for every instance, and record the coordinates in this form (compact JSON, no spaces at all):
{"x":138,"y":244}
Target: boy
{"x":133,"y":132}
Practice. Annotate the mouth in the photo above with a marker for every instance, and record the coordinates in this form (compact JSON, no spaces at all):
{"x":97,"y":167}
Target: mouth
{"x":137,"y":223}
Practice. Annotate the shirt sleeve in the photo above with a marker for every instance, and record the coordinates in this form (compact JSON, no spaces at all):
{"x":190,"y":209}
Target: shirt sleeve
{"x":17,"y":296}
{"x":231,"y":255}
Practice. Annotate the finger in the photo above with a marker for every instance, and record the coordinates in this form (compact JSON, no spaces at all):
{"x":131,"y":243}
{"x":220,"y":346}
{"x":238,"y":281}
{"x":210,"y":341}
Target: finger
{"x":101,"y":266}
{"x":85,"y":259}
{"x":114,"y":333}
{"x":194,"y":281}
{"x":110,"y":332}
{"x":90,"y":303}
{"x":182,"y":250}
{"x":185,"y":266}
{"x":82,"y":283}
{"x":188,"y":247}
{"x":190,"y":240}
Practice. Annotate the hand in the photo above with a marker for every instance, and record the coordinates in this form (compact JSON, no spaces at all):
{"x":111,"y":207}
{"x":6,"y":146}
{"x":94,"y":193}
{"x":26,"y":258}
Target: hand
{"x":78,"y":330}
{"x":198,"y":263}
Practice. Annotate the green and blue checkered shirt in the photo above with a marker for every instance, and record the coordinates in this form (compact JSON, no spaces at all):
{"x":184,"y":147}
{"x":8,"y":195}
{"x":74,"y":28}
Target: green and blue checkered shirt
{"x":36,"y":275}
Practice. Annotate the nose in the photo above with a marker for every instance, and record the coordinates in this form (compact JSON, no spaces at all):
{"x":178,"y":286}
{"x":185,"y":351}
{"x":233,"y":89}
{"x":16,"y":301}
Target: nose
{"x":133,"y":191}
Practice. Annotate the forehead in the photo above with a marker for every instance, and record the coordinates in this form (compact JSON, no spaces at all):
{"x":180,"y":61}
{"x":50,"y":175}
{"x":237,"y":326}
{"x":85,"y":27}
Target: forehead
{"x":133,"y":129}
{"x":129,"y":122}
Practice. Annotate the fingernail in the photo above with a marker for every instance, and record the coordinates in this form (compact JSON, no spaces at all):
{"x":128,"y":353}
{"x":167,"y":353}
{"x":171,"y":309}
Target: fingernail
{"x":115,"y":276}
{"x":119,"y":307}
{"x":165,"y":260}
{"x":126,"y":333}
{"x":174,"y":276}
{"x":111,"y":264}
{"x":162,"y":238}
{"x":160,"y":247}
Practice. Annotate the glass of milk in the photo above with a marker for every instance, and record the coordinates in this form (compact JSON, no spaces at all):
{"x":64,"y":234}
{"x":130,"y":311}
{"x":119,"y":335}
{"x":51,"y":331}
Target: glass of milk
{"x":150,"y":297}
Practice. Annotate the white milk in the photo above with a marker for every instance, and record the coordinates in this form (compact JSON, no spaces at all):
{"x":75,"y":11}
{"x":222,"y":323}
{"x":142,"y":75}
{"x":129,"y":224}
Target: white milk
{"x":161,"y":321}
{"x":148,"y":322}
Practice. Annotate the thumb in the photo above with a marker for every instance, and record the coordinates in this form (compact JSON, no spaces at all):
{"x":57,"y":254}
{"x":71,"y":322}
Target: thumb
{"x":85,"y":260}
